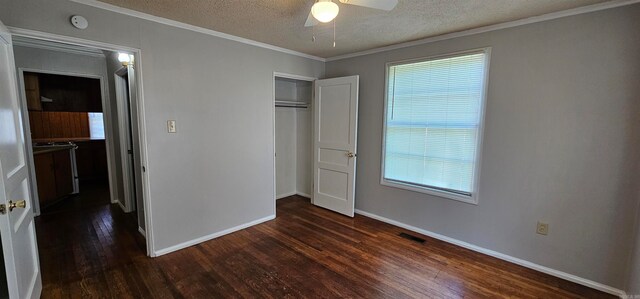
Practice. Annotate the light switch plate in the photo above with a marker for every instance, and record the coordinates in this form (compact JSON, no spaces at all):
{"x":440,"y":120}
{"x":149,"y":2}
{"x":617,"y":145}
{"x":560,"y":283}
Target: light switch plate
{"x":171,"y":126}
{"x":542,"y":228}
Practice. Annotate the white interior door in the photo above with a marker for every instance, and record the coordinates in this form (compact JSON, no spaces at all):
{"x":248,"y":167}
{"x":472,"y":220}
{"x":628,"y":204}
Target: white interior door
{"x":16,"y":213}
{"x":335,"y":137}
{"x":135,"y":145}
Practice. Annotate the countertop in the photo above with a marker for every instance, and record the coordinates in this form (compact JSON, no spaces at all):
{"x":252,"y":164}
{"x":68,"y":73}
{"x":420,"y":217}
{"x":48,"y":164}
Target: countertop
{"x":43,"y":149}
{"x":66,"y":139}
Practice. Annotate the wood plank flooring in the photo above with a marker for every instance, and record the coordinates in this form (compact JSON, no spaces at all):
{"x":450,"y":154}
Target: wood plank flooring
{"x":307,"y":251}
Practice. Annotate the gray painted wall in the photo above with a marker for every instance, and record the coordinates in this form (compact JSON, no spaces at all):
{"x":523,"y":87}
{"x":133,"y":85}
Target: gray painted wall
{"x":559,"y":144}
{"x":217,"y":171}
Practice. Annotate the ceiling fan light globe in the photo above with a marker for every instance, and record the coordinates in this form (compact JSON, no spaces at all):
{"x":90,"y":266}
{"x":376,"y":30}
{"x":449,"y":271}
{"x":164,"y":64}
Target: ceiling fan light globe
{"x":325,"y":11}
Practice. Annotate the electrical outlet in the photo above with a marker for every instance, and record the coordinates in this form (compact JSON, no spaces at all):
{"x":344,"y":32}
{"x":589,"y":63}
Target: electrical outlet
{"x":171,"y":126}
{"x":542,"y":228}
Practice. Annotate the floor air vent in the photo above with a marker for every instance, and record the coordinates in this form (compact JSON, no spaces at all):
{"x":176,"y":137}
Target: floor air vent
{"x":412,"y":238}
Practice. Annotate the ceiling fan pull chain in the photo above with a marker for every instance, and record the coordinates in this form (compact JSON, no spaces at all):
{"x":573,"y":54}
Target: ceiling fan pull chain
{"x":313,"y":34}
{"x":334,"y":33}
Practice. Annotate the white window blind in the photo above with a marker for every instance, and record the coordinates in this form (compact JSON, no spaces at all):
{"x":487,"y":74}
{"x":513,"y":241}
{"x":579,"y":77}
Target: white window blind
{"x":433,"y":119}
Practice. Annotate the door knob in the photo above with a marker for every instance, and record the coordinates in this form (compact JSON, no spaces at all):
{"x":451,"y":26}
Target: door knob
{"x":17,"y":204}
{"x":351,"y":155}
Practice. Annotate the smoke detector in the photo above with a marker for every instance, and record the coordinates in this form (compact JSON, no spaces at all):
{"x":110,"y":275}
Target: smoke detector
{"x":79,"y":22}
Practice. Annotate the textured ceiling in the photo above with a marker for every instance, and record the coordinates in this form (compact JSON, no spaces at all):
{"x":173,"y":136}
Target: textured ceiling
{"x":281,"y":22}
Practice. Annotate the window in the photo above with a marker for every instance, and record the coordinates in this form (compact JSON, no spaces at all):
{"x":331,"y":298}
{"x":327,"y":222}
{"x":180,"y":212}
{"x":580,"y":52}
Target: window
{"x":96,"y":125}
{"x":433,"y":120}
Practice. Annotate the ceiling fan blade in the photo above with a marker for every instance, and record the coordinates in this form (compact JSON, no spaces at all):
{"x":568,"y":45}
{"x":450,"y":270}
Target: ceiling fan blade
{"x":377,"y":4}
{"x":311,"y":21}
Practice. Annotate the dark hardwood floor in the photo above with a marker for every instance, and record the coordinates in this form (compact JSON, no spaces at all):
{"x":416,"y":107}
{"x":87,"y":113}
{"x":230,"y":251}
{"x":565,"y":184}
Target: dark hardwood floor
{"x":96,"y":251}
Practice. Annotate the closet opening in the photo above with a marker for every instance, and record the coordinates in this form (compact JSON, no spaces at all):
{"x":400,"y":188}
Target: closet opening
{"x":293,"y":136}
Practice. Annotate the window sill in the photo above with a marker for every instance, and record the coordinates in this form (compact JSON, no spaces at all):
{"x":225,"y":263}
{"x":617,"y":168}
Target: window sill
{"x":435,"y":192}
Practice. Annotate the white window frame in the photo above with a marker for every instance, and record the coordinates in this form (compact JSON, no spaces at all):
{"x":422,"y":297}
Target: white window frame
{"x":473,"y":198}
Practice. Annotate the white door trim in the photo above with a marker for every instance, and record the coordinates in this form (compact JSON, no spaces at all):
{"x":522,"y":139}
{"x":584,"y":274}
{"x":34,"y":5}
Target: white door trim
{"x":273,"y":122}
{"x":142,"y":132}
{"x":124,"y":138}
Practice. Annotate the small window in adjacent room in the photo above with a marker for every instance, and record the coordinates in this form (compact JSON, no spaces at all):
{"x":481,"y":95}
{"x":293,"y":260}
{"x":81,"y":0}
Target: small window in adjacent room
{"x":96,"y":125}
{"x":433,"y":124}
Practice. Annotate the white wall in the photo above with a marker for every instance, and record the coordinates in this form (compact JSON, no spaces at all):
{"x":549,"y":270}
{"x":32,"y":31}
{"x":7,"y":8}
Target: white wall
{"x":304,"y":157}
{"x":285,"y":151}
{"x":51,"y":60}
{"x":217,"y":171}
{"x":112,"y":64}
{"x":559,"y":146}
{"x":304,"y":140}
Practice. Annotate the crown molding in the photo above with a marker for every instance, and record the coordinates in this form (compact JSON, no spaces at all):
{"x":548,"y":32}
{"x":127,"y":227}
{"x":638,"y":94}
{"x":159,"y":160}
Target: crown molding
{"x":478,"y":30}
{"x":53,"y":46}
{"x":52,"y":37}
{"x":169,"y":22}
{"x":499,"y":26}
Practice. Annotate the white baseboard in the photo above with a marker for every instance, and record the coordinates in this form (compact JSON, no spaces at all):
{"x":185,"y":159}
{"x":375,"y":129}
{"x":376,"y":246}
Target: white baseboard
{"x":142,"y":232}
{"x":121,"y":206}
{"x":286,"y":195}
{"x":291,"y":194}
{"x":212,"y":236}
{"x":508,"y":258}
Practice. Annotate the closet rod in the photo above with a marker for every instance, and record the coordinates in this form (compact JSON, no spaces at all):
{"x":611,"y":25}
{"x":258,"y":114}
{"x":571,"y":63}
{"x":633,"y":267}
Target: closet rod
{"x":291,"y":104}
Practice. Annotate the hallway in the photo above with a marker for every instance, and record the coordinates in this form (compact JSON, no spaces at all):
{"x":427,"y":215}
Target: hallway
{"x":83,"y":240}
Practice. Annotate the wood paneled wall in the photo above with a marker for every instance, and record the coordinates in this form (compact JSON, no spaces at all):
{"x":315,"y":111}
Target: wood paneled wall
{"x":69,"y":93}
{"x":53,"y":124}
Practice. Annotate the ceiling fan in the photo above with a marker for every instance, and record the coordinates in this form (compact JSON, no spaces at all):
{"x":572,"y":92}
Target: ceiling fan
{"x":325,"y":11}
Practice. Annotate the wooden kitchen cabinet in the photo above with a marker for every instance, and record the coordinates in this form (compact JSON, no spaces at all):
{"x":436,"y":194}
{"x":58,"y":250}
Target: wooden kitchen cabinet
{"x":63,"y":173}
{"x":46,"y":178}
{"x":54,"y":175}
{"x":91,"y":160}
{"x":32,"y":91}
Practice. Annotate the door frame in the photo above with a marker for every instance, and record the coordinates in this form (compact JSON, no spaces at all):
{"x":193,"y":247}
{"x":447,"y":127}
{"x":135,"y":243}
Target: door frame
{"x":142,"y":132}
{"x":273,"y":122}
{"x":127,"y":179}
{"x":109,"y":142}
